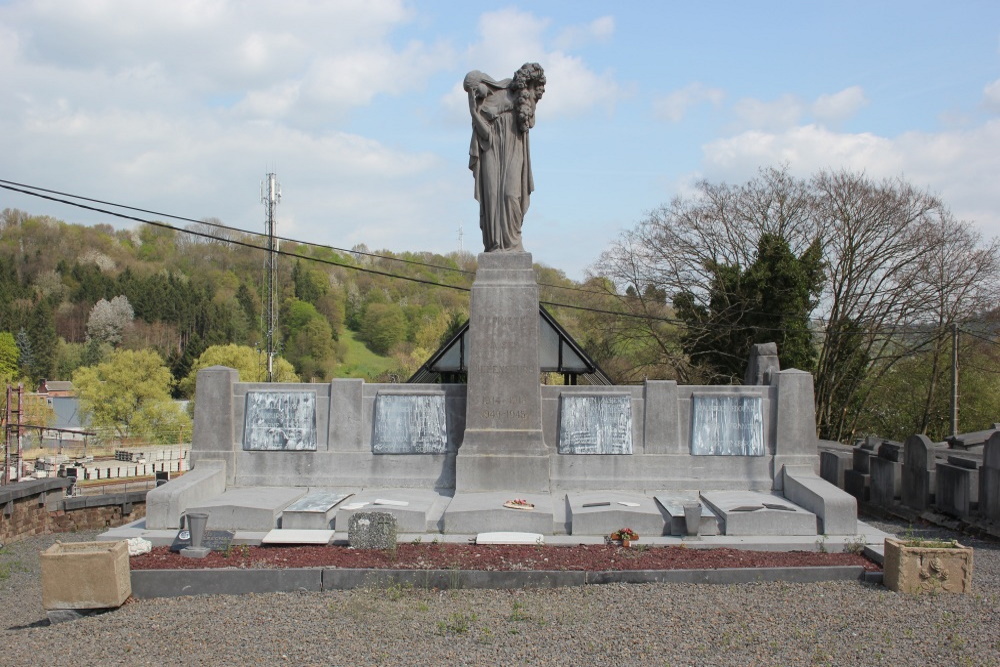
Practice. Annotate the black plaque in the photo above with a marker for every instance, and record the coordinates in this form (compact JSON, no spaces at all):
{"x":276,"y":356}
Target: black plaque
{"x":410,"y":424}
{"x":280,"y":421}
{"x":216,"y":540}
{"x":595,"y":424}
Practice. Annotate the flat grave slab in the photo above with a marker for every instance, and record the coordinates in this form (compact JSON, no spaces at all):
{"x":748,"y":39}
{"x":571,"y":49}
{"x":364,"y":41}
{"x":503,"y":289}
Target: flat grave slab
{"x":248,"y":508}
{"x":474,"y":513}
{"x":603,"y":512}
{"x":754,"y":513}
{"x":285,"y":536}
{"x":314,"y":511}
{"x":510,"y":538}
{"x":414,"y":509}
{"x":673,"y":503}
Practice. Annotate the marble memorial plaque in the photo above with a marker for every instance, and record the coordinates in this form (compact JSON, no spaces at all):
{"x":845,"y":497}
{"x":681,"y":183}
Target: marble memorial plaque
{"x":280,"y":421}
{"x":410,"y":424}
{"x":319,"y":501}
{"x":216,"y":540}
{"x":595,"y":424}
{"x":724,"y":425}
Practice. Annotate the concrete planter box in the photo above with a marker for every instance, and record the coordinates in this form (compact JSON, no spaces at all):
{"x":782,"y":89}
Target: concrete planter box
{"x":927,"y":569}
{"x":85,"y":575}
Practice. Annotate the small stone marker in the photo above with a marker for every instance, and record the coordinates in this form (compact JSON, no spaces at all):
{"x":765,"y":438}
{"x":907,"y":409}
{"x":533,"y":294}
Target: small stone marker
{"x":214,"y":540}
{"x":372,"y":530}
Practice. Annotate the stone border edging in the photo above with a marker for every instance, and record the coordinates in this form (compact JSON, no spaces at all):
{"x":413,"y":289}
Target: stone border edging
{"x":219,"y":581}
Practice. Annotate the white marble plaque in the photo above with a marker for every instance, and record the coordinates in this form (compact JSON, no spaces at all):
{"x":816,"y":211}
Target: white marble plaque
{"x":595,"y":424}
{"x":280,"y":421}
{"x":410,"y":424}
{"x":723,"y":425}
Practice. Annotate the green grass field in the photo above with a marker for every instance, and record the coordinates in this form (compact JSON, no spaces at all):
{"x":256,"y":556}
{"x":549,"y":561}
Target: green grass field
{"x":360,"y":362}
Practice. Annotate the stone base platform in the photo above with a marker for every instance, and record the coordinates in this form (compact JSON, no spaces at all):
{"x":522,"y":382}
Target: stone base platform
{"x":484,"y":512}
{"x":754,"y":513}
{"x":250,"y":508}
{"x":603,"y":512}
{"x":415,"y":510}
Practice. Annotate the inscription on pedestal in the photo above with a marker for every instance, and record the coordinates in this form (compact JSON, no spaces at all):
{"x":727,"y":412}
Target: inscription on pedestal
{"x":595,"y":424}
{"x":410,"y":424}
{"x":280,"y":421}
{"x":727,"y":425}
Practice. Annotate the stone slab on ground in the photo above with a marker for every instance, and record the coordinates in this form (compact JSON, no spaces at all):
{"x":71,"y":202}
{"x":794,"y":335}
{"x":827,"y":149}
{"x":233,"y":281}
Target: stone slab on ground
{"x":588,"y":515}
{"x":420,"y":514}
{"x":298,"y":536}
{"x":314,"y":511}
{"x":748,"y":513}
{"x":248,"y":508}
{"x":673,"y":503}
{"x":475,"y":513}
{"x":510,"y":538}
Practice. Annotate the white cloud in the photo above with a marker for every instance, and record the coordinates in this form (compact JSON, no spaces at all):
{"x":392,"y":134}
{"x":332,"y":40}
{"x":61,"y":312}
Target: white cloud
{"x":991,"y":96}
{"x":958,"y":165}
{"x":510,"y":38}
{"x":838,"y":107}
{"x":599,"y":30}
{"x":675,"y":105}
{"x":778,"y":114}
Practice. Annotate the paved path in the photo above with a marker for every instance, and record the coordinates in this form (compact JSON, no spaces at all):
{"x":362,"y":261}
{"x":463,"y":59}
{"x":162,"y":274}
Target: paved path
{"x":843,"y":623}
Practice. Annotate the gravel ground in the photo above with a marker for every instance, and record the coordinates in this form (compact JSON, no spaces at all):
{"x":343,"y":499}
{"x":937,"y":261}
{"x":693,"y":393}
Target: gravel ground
{"x":843,"y":623}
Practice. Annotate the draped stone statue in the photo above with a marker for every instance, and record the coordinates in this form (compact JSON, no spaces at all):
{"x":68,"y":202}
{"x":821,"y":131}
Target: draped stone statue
{"x":502,"y":113}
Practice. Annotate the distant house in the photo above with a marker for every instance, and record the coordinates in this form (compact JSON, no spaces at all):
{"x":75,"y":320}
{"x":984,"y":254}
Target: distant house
{"x":57,"y":388}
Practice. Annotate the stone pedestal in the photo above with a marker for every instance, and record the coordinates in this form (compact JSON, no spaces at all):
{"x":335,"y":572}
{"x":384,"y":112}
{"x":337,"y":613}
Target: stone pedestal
{"x":503,"y":448}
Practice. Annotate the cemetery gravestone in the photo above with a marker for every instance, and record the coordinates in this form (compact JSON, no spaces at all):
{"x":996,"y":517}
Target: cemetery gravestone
{"x":372,"y":530}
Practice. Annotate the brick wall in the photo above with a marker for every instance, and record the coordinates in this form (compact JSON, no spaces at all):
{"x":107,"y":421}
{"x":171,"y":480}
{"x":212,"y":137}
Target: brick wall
{"x":39,"y":507}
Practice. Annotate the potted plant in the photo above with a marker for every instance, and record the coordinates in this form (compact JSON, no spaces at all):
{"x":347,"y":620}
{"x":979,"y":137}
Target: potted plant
{"x":624,"y":536}
{"x":914,"y":565}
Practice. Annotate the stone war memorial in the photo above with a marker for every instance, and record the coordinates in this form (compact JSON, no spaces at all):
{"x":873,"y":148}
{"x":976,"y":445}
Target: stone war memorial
{"x":293,"y":463}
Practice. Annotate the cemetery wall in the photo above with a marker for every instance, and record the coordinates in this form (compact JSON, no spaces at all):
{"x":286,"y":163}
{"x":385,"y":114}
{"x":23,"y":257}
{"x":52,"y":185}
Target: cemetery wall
{"x":40,"y":507}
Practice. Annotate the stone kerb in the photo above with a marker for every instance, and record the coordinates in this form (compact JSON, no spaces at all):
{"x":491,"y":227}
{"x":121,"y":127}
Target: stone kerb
{"x":989,"y":479}
{"x":918,"y":462}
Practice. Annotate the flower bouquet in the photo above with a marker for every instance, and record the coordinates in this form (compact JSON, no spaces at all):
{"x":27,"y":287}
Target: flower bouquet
{"x":519,"y":504}
{"x":624,"y":536}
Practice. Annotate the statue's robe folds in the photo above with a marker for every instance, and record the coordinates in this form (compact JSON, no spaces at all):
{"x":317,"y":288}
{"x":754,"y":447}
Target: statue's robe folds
{"x":501,"y":165}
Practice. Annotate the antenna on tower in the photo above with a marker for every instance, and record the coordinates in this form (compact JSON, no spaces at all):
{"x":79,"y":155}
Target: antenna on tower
{"x":461,"y":233}
{"x":270,"y":195}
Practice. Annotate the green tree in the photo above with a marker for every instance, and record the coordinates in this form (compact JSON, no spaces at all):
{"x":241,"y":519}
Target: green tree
{"x":8,"y":356}
{"x":382,"y":326}
{"x":769,"y":301}
{"x":129,"y":396}
{"x":248,"y":362}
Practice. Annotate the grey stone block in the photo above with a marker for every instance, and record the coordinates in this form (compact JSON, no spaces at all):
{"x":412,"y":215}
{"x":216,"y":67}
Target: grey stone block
{"x":836,"y":510}
{"x":954,"y":489}
{"x":646,"y":519}
{"x":166,"y":503}
{"x":255,"y":508}
{"x":174,"y":583}
{"x":473,"y":513}
{"x":884,"y":482}
{"x":857,"y":484}
{"x":747,"y":513}
{"x":919,"y":462}
{"x":989,"y":493}
{"x":372,"y":530}
{"x":862,"y":460}
{"x":832,"y":466}
{"x":673,"y":504}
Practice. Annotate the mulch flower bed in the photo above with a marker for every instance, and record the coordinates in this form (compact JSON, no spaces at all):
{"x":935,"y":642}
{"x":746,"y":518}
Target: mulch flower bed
{"x":441,"y":556}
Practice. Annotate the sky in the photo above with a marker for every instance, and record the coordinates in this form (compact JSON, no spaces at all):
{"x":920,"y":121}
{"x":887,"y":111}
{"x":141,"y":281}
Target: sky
{"x":183,"y":107}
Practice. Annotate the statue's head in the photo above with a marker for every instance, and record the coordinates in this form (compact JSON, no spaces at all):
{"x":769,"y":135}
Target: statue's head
{"x":528,"y":85}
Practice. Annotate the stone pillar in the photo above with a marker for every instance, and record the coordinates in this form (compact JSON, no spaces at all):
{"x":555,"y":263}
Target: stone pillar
{"x":503,"y":448}
{"x":214,"y":432}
